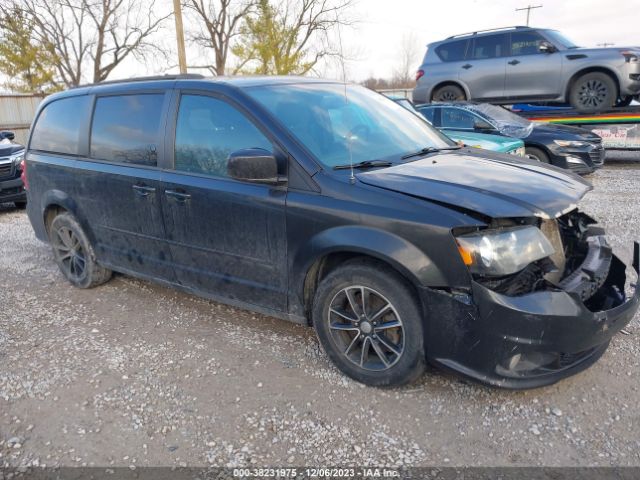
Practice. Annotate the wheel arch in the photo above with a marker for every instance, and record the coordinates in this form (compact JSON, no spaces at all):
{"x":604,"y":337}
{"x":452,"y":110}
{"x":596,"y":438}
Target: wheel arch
{"x":332,"y":248}
{"x":55,"y":202}
{"x":455,"y":83}
{"x":591,"y":69}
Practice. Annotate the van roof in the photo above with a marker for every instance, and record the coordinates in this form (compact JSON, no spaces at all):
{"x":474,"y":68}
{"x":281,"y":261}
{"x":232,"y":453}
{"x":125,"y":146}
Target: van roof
{"x":238,"y":80}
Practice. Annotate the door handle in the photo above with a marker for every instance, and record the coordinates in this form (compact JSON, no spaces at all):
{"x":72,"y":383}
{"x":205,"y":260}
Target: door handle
{"x":180,"y":196}
{"x":514,"y":62}
{"x":143,"y":190}
{"x":467,"y":66}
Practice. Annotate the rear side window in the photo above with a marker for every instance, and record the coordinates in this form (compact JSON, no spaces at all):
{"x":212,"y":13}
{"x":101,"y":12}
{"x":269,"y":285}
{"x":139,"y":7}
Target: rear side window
{"x":492,"y":46}
{"x":58,"y":127}
{"x":208,"y":130}
{"x":525,"y":43}
{"x":126,"y":128}
{"x":453,"y":51}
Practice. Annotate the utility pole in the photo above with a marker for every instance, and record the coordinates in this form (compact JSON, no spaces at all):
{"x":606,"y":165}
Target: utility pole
{"x":528,"y":9}
{"x":182,"y":57}
{"x":605,"y":44}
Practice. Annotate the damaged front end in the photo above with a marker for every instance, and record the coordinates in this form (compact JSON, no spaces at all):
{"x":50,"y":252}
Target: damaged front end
{"x":550,"y":319}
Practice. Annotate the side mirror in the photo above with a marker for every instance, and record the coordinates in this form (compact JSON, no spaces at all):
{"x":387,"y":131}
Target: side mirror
{"x":253,"y":165}
{"x":546,"y":47}
{"x":7,"y":134}
{"x":483,"y":126}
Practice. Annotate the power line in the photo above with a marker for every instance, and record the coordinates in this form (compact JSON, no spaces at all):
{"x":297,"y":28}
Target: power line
{"x":528,"y":9}
{"x":605,"y":44}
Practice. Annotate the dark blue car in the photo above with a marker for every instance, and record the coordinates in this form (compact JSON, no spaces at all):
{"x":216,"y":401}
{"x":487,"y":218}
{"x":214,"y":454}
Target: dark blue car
{"x":333,"y":206}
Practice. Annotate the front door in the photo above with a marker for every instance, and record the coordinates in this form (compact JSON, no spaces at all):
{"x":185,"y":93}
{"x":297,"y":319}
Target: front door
{"x":227,"y":237}
{"x":530,"y":73}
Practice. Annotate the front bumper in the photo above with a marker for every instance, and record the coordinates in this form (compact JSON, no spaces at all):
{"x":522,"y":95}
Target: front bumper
{"x":582,"y":161}
{"x":530,"y":340}
{"x":12,"y":190}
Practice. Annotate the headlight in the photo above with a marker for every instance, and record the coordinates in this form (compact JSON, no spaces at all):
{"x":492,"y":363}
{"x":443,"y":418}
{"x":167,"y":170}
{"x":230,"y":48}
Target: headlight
{"x":571,"y":143}
{"x":16,"y":158}
{"x":518,"y":151}
{"x":503,"y":252}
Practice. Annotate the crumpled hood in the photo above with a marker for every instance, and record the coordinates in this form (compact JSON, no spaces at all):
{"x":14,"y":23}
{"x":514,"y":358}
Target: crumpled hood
{"x":498,"y":187}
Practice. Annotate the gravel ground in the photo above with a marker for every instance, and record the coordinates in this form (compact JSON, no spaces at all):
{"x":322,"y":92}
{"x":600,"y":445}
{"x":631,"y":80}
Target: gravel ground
{"x":134,"y":374}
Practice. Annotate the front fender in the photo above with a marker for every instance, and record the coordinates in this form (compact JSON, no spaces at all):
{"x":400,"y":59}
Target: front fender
{"x":402,"y":255}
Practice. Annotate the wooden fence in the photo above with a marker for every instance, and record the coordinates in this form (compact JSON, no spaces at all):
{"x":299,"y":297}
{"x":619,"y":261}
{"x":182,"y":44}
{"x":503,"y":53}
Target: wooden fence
{"x":16,"y":114}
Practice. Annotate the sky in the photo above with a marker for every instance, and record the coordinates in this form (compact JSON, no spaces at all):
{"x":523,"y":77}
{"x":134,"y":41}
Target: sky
{"x":377,"y":37}
{"x":374,"y":42}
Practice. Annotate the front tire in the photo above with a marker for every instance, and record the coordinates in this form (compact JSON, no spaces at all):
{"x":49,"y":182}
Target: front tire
{"x":593,"y":92}
{"x":449,"y":93}
{"x":369,"y":323}
{"x":74,"y":254}
{"x":536,"y":154}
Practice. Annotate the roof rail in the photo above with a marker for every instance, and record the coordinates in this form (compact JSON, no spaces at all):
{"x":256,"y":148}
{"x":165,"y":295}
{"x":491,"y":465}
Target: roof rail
{"x":516,"y":27}
{"x":182,"y":76}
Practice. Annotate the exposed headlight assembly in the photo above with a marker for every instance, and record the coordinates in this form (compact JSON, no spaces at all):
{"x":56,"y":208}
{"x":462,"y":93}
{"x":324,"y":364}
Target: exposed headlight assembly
{"x":571,"y":143}
{"x":503,"y":252}
{"x":518,"y":151}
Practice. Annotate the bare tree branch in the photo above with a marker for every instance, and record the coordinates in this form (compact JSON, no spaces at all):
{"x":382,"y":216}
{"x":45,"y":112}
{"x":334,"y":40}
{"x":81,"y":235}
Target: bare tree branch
{"x":219,"y":22}
{"x":90,"y":38}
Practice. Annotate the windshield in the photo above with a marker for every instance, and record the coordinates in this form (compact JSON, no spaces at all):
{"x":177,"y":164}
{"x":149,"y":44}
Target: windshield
{"x":508,"y":123}
{"x":330,"y":125}
{"x":559,"y":39}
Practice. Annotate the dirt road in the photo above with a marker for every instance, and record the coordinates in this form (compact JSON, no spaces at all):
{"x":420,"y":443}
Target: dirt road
{"x":131,"y":373}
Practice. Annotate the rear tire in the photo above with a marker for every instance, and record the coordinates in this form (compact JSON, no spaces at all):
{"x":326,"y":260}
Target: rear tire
{"x":20,"y":205}
{"x":449,"y":93}
{"x":536,"y":154}
{"x":369,"y":323}
{"x":593,"y":92}
{"x":74,"y":254}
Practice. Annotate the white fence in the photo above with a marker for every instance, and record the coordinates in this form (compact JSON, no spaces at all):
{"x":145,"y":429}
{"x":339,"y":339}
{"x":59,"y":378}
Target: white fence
{"x":16,"y":114}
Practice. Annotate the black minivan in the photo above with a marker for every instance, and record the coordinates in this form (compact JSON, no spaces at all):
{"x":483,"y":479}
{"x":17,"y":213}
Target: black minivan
{"x":329,"y":204}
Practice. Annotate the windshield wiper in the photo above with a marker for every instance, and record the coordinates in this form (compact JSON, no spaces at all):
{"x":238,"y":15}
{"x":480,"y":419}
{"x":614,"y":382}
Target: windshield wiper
{"x":427,"y":150}
{"x":365,"y":164}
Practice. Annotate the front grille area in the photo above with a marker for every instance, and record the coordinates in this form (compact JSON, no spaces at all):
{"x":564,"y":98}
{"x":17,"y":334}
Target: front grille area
{"x":597,"y":156}
{"x":6,"y":170}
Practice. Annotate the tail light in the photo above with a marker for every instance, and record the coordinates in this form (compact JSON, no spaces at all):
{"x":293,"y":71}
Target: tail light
{"x":419,"y":74}
{"x":23,"y":175}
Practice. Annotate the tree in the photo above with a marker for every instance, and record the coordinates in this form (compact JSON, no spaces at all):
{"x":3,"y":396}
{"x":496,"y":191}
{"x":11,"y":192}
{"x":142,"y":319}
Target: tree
{"x":219,"y":22}
{"x":28,"y":65}
{"x":90,"y":38}
{"x":290,"y":37}
{"x":403,"y":75}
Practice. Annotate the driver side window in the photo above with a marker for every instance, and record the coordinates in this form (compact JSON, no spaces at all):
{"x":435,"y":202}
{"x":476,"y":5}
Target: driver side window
{"x":208,"y":130}
{"x":457,"y":118}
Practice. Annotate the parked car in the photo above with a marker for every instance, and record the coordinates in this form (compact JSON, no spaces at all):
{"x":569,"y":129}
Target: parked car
{"x":574,"y":148}
{"x":495,"y":143}
{"x":523,"y":64}
{"x":11,"y":156}
{"x":329,"y":204}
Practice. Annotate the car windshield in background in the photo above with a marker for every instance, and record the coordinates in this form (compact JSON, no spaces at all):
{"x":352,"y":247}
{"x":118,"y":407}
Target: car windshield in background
{"x":508,"y":123}
{"x":339,"y":129}
{"x":559,"y":39}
